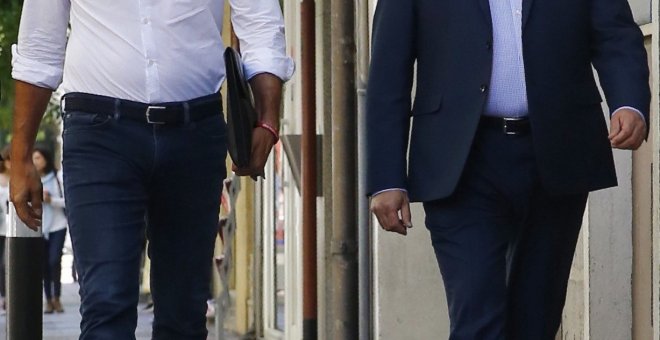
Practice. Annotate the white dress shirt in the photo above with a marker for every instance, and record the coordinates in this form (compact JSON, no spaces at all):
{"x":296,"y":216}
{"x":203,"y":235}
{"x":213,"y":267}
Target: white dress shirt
{"x":148,"y":51}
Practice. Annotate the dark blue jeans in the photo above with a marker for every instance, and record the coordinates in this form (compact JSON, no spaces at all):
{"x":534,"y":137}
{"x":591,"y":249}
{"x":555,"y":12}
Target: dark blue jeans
{"x":53,"y":264}
{"x":126,"y":180}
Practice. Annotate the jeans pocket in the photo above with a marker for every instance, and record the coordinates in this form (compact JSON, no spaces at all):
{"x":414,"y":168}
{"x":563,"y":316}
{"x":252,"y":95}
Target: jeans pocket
{"x":82,"y":121}
{"x":213,"y":127}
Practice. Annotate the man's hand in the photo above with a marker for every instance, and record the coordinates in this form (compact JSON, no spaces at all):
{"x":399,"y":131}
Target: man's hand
{"x":627,"y":130}
{"x":26,"y":193}
{"x":387,"y":205}
{"x":267,"y":90}
{"x":262,"y":143}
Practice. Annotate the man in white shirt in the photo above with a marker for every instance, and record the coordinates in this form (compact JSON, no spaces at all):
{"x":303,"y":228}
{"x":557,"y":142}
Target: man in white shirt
{"x":143,"y":136}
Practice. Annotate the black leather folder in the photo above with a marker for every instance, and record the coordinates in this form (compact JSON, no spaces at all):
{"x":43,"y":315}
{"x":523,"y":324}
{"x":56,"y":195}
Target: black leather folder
{"x":241,"y":115}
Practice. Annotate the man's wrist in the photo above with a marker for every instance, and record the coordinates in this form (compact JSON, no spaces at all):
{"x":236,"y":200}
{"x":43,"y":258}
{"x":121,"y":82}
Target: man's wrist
{"x":390,"y":189}
{"x":272,"y":130}
{"x":631,"y":109}
{"x":272,"y":120}
{"x":21,"y":154}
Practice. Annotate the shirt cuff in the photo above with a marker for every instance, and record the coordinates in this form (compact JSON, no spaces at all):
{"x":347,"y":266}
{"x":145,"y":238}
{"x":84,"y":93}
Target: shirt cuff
{"x":265,"y":60}
{"x":34,"y":72}
{"x":391,"y":189}
{"x":630,"y":108}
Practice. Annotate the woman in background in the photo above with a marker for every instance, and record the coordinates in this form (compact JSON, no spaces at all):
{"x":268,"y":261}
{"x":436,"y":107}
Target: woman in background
{"x":5,"y":164}
{"x":54,"y":225}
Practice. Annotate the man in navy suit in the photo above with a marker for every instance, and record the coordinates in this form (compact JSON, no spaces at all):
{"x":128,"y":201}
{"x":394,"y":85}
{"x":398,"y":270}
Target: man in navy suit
{"x":507,"y":140}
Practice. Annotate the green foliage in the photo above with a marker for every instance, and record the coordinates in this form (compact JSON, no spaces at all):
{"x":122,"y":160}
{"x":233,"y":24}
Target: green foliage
{"x":10,"y":14}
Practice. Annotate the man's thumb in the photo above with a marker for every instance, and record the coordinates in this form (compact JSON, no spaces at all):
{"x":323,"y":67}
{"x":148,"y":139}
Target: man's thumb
{"x":405,"y":215}
{"x":615,"y":127}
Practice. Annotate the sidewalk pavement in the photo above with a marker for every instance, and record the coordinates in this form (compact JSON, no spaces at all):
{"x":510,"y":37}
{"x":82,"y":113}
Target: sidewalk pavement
{"x":66,"y":326}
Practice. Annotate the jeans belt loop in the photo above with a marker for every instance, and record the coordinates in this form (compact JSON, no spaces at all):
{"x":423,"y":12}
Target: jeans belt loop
{"x":117,"y":103}
{"x":186,"y":113}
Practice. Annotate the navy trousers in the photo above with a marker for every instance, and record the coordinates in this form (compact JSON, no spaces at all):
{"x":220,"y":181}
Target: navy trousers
{"x":126,"y":180}
{"x":504,"y":245}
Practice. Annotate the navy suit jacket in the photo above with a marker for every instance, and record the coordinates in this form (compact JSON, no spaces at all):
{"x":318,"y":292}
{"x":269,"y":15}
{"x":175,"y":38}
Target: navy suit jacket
{"x":450,"y":42}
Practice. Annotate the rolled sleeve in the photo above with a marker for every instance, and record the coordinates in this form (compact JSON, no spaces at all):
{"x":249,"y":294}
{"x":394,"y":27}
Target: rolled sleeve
{"x":259,"y":26}
{"x":265,"y":61}
{"x":38,"y":58}
{"x":35,"y":71}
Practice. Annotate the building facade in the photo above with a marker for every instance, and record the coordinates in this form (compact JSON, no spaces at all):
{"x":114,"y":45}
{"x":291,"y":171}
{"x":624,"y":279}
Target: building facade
{"x":614,"y":287}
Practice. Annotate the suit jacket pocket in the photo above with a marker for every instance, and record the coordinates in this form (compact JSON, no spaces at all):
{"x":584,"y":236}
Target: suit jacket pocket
{"x":584,"y":94}
{"x":426,"y":104}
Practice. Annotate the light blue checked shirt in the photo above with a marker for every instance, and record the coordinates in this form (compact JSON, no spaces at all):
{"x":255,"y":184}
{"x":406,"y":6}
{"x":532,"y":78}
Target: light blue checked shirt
{"x":507,"y":95}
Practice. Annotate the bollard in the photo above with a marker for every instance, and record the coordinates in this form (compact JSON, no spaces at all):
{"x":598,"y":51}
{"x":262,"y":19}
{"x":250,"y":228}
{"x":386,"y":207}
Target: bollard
{"x":25,"y":250}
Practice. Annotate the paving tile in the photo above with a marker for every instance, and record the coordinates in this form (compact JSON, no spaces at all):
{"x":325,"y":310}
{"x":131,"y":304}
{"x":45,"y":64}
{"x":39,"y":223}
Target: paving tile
{"x":66,"y":326}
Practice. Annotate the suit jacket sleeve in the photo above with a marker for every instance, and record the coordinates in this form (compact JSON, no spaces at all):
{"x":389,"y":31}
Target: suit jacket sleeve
{"x":619,"y":56}
{"x":388,"y":94}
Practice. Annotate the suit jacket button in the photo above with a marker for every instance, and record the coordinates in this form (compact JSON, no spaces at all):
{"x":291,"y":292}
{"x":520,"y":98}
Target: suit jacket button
{"x":483,"y":88}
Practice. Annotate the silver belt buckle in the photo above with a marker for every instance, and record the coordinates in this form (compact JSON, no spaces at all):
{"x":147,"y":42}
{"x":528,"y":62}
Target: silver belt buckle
{"x":505,"y":125}
{"x":148,"y":113}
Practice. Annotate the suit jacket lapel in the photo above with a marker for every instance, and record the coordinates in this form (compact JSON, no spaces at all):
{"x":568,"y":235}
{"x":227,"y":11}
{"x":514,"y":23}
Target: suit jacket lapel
{"x":485,"y":9}
{"x":527,"y":6}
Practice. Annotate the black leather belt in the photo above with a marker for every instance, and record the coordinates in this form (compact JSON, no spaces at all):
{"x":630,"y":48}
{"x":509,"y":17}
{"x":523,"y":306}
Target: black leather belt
{"x":164,"y":113}
{"x":508,"y":126}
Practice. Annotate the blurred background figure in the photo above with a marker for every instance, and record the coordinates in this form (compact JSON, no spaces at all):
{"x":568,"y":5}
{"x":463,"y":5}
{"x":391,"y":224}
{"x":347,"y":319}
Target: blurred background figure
{"x":225,"y":210}
{"x":54,"y":224}
{"x":5,"y":164}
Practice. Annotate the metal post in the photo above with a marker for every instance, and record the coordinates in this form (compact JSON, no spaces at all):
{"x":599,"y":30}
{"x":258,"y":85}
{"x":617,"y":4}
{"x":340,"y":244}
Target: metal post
{"x":364,"y":230}
{"x":344,"y":174}
{"x":25,"y":250}
{"x":308,"y":144}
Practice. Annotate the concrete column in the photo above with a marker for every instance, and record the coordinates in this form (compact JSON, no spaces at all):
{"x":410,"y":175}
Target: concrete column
{"x":610,"y":256}
{"x":642,"y":278}
{"x":409,"y":298}
{"x":655,"y":147}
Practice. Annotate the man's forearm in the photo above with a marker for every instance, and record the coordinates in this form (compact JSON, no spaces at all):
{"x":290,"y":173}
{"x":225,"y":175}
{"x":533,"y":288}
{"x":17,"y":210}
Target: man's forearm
{"x":267,"y":90}
{"x":30,"y":105}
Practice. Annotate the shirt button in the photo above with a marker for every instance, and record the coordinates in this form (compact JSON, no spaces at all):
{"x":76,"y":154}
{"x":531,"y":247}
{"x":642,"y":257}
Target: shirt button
{"x":518,"y":12}
{"x":483,"y":88}
{"x":145,"y":20}
{"x":151,"y":62}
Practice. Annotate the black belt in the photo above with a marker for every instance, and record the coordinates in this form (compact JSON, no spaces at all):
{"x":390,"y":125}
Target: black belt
{"x":164,"y":113}
{"x":508,"y":126}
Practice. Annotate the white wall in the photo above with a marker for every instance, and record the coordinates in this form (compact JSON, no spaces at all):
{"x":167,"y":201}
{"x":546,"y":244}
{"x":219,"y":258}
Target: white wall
{"x":641,"y":11}
{"x":409,"y":301}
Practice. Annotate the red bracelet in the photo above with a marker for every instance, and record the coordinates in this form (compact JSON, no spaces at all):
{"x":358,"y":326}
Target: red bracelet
{"x":270,"y":129}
